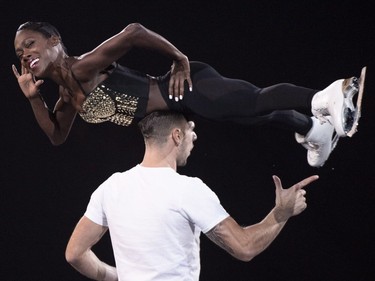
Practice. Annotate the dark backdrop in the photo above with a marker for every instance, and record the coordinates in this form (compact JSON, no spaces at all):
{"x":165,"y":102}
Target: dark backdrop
{"x":45,"y":189}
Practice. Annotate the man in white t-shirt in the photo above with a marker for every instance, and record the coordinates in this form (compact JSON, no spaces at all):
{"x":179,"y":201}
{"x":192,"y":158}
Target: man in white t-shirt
{"x":155,"y":215}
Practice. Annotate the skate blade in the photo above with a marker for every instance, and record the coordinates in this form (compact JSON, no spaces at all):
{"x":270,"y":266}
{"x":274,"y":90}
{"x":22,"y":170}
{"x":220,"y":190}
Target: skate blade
{"x":354,"y":113}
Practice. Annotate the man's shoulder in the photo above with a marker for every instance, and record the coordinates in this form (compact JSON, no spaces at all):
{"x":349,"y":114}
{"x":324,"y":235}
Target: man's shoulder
{"x":121,"y":174}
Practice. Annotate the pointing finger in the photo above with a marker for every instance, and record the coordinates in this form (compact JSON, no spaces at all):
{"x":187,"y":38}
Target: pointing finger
{"x":306,"y":181}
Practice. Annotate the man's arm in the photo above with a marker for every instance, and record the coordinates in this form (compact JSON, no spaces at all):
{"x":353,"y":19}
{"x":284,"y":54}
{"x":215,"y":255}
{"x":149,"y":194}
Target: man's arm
{"x":79,"y":254}
{"x":244,"y":243}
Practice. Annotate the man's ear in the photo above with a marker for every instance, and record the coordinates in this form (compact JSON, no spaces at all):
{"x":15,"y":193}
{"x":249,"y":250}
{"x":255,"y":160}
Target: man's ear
{"x":177,"y":136}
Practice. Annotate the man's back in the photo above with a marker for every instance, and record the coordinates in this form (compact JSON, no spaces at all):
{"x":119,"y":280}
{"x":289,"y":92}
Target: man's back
{"x":155,"y":217}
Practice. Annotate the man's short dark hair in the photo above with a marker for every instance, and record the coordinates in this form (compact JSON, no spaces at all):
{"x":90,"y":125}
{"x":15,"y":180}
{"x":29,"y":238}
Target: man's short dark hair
{"x":158,"y":124}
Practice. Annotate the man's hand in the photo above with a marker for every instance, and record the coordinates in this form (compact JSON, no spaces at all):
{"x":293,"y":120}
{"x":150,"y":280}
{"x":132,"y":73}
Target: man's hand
{"x":291,"y":202}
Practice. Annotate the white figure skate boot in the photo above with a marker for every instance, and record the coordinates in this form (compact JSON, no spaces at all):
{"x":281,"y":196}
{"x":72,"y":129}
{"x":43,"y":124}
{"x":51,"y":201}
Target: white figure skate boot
{"x":319,"y":141}
{"x":336,"y":101}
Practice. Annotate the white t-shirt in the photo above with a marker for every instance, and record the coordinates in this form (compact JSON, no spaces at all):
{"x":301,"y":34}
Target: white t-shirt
{"x":155,"y":217}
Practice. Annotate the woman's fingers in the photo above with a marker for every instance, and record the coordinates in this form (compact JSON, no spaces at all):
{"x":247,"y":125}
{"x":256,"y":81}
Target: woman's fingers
{"x":15,"y":71}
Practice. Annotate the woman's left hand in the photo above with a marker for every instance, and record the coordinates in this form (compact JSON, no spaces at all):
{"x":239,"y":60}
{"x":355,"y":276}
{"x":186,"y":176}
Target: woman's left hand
{"x":180,"y":71}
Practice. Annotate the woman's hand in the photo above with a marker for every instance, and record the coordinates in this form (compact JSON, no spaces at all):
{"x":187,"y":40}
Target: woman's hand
{"x":28,"y":84}
{"x":180,"y":71}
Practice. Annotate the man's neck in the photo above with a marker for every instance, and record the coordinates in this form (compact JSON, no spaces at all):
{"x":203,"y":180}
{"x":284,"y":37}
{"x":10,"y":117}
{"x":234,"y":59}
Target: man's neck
{"x":158,"y":161}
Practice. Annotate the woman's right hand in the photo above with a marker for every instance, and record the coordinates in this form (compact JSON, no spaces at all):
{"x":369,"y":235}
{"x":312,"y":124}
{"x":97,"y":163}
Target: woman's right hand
{"x":28,"y":84}
{"x":180,"y":72}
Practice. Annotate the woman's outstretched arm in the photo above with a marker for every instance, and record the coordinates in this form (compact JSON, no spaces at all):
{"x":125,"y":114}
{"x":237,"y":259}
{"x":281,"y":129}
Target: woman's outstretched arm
{"x":134,"y":35}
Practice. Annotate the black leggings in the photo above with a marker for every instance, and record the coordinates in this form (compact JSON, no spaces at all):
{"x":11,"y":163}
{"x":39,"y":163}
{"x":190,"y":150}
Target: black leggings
{"x":218,"y":98}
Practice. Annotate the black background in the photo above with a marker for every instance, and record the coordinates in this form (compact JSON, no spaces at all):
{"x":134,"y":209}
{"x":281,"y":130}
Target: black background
{"x":45,"y":189}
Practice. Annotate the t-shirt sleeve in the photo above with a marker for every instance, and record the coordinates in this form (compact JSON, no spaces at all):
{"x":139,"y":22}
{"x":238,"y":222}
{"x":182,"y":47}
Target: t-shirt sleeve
{"x":202,"y":205}
{"x":94,"y":210}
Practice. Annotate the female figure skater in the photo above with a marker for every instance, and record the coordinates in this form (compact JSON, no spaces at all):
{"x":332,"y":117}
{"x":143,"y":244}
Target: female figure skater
{"x":96,"y":87}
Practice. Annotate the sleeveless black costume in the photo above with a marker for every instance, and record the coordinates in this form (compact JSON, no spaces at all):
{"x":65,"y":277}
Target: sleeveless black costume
{"x":122,"y":99}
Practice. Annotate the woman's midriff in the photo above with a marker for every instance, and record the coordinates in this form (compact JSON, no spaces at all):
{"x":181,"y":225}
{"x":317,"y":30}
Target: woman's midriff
{"x":155,"y":99}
